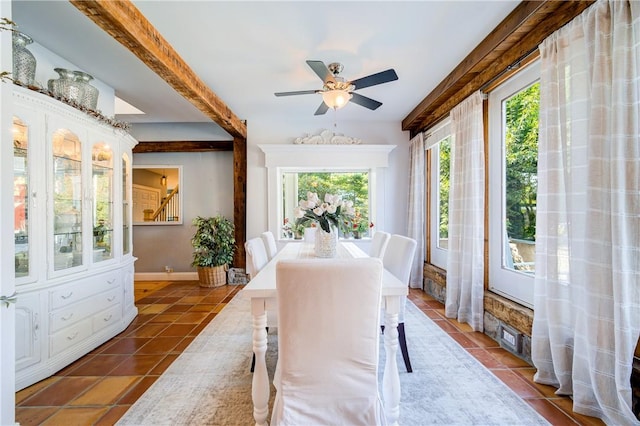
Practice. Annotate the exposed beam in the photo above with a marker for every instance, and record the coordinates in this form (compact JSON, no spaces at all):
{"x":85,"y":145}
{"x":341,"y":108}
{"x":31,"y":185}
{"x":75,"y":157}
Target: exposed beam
{"x":183,"y":146}
{"x":240,"y":199}
{"x":124,"y":22}
{"x":519,"y":33}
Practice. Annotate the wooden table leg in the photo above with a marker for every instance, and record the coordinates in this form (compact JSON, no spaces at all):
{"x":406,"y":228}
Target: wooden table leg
{"x":391,"y":376}
{"x":260,"y":384}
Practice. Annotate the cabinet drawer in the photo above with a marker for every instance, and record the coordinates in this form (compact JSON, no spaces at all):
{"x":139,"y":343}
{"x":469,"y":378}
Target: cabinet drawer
{"x":71,"y":314}
{"x":82,"y":289}
{"x":107,"y":317}
{"x":70,"y":336}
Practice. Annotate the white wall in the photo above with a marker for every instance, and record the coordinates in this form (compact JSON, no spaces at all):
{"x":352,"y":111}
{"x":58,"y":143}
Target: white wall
{"x":284,"y":131}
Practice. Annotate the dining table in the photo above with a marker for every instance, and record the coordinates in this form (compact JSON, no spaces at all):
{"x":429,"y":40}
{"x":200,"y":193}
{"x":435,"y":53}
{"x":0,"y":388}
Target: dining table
{"x":261,"y":290}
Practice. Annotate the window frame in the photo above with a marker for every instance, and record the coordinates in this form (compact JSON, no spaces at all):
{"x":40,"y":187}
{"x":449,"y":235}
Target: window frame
{"x":435,"y":135}
{"x":281,"y":197}
{"x":514,"y":285}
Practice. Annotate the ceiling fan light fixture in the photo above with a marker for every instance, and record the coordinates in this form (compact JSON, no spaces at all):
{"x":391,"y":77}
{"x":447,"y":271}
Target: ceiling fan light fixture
{"x":336,"y":99}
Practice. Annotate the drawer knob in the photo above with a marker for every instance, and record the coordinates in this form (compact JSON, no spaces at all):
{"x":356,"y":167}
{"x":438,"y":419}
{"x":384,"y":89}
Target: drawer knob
{"x":108,"y":318}
{"x":67,"y":295}
{"x":72,"y":336}
{"x":111,"y":299}
{"x":67,"y":317}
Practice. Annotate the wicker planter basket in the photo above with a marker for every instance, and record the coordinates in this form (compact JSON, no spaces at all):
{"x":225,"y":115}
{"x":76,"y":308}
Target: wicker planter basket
{"x":212,"y":276}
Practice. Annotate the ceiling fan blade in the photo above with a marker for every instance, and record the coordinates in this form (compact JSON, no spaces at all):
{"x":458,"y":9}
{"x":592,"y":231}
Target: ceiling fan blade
{"x":300,"y":92}
{"x":373,"y":79}
{"x":321,"y":69}
{"x":323,"y":108}
{"x":365,"y":102}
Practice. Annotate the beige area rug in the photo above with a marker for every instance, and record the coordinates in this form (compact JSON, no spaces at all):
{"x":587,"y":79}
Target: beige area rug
{"x":210,"y":382}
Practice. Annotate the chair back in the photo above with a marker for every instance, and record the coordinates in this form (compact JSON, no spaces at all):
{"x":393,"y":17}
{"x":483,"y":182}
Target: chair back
{"x":398,"y":256}
{"x":328,"y":320}
{"x":269,"y":244}
{"x":256,"y":256}
{"x":379,"y":244}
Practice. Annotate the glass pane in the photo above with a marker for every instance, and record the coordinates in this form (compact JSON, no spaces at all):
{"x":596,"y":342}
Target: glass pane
{"x":521,"y":178}
{"x":444,"y":164}
{"x":102,"y":180}
{"x":21,"y":197}
{"x":352,"y":186}
{"x":67,"y":200}
{"x":126,"y":221}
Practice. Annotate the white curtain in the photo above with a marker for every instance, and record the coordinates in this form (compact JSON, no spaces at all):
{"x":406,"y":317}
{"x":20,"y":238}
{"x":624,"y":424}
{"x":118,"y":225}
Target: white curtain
{"x":465,"y":263}
{"x":416,"y":218}
{"x":587,"y":286}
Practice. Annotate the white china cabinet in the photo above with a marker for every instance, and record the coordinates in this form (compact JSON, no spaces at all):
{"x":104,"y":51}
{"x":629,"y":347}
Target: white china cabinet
{"x":72,"y":229}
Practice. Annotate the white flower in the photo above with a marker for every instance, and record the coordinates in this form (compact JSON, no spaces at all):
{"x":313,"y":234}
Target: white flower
{"x":313,"y":197}
{"x":298,"y":212}
{"x":318,"y":211}
{"x":331,"y":208}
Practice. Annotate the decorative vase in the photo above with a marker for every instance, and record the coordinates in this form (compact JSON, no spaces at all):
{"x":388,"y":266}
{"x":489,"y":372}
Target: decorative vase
{"x":67,"y":86}
{"x":90,"y":98}
{"x":326,"y":243}
{"x":24,"y":63}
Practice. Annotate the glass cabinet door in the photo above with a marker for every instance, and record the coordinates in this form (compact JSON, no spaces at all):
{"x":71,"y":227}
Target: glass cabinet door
{"x":102,"y":181}
{"x":21,"y":197}
{"x":126,"y":220}
{"x":67,"y":200}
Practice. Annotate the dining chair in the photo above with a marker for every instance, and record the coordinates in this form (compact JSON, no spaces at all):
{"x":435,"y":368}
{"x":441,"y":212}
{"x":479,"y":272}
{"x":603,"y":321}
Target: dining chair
{"x":328,"y":342}
{"x":397,"y":259}
{"x":256,"y":255}
{"x":269,"y":243}
{"x":379,"y":243}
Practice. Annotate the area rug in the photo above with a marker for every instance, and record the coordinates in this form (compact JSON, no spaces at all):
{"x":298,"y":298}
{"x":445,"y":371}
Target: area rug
{"x":210,"y":382}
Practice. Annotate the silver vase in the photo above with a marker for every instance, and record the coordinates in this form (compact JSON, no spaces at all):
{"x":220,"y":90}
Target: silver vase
{"x":24,"y":63}
{"x":67,"y":86}
{"x":90,"y":98}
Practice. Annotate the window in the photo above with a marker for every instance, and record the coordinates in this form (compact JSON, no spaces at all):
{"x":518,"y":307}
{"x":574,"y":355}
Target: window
{"x":513,"y":154}
{"x":351,"y":185}
{"x":438,"y":142}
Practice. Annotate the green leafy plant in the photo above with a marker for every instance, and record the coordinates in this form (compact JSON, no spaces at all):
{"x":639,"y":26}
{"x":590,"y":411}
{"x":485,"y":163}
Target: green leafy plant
{"x":214,"y":242}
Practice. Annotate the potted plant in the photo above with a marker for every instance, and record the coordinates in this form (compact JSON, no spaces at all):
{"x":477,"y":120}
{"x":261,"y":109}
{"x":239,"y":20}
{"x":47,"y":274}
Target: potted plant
{"x":214,"y":245}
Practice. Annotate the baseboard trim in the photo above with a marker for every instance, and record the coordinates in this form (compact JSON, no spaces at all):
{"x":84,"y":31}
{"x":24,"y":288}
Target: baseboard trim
{"x":165,"y":276}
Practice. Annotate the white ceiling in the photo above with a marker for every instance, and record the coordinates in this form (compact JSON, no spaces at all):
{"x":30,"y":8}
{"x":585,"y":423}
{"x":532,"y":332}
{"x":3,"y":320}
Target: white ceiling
{"x":245,"y":51}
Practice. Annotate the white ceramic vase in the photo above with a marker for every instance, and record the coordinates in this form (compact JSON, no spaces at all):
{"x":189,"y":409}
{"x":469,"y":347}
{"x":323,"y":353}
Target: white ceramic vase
{"x":326,"y":242}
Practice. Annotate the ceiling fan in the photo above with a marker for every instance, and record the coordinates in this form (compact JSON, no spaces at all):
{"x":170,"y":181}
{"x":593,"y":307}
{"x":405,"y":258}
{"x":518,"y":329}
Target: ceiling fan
{"x":336,"y":92}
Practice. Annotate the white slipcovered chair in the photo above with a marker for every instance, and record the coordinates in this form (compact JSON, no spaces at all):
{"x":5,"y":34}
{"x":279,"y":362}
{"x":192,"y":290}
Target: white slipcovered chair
{"x":328,"y":319}
{"x":269,"y":243}
{"x":379,"y":244}
{"x":256,"y":255}
{"x":397,"y":259}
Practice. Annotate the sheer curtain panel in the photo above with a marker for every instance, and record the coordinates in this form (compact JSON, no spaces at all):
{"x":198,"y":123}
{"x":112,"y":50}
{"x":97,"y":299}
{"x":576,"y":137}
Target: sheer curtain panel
{"x":465,"y":263}
{"x":587,"y":285}
{"x":417,"y":215}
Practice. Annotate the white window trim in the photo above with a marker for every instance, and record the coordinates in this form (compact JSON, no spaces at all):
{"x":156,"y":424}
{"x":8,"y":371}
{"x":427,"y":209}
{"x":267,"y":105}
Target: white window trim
{"x":280,"y":158}
{"x":514,"y":285}
{"x":433,"y":137}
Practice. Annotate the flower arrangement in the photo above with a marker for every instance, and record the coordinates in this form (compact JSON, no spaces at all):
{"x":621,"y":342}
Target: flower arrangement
{"x":360,"y":224}
{"x":333,"y":211}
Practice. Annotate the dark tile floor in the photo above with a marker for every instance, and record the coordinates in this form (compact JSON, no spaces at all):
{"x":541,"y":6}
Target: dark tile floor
{"x":100,"y":387}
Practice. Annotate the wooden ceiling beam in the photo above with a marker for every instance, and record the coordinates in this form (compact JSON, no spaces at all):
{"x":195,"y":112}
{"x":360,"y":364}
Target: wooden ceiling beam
{"x":183,"y":146}
{"x":517,"y":35}
{"x":124,"y":22}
